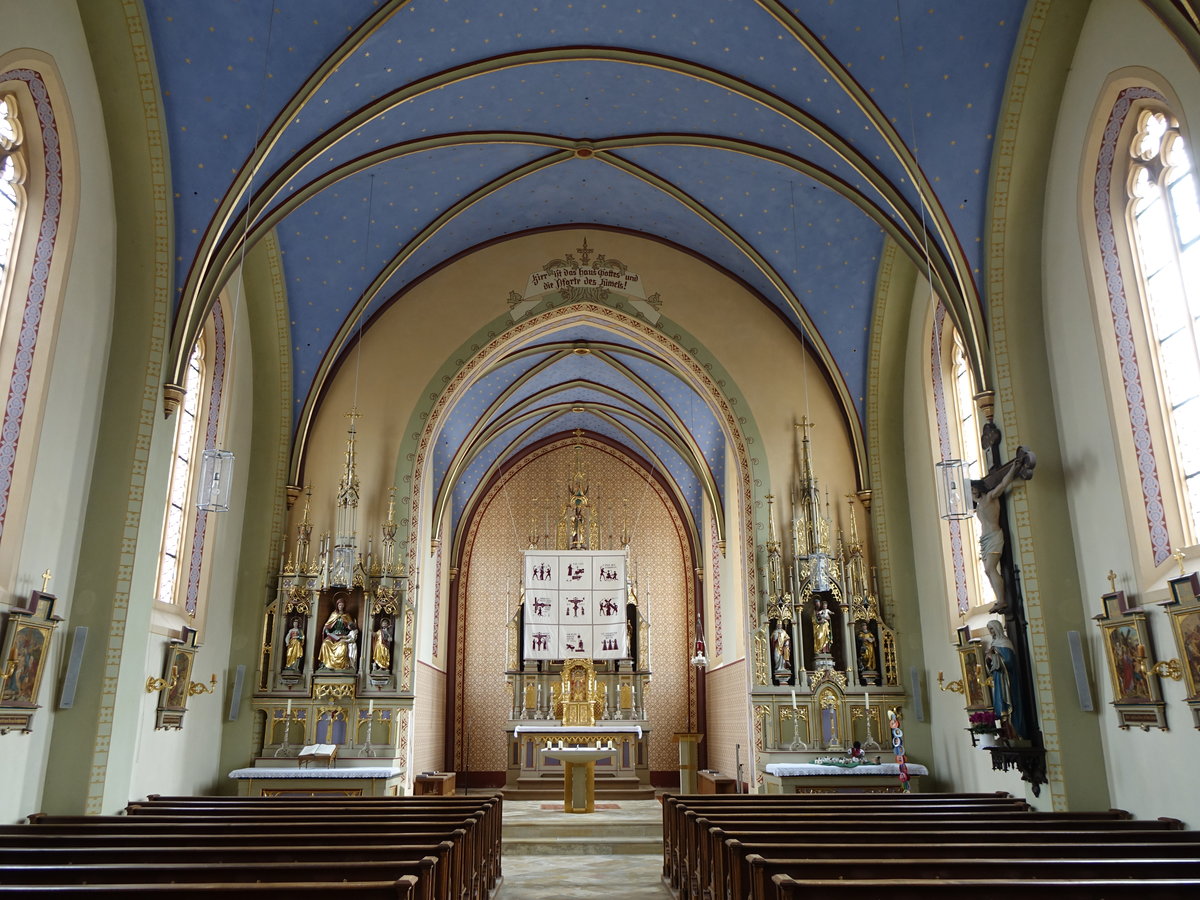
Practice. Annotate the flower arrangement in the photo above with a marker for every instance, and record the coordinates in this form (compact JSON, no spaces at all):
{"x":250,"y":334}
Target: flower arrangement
{"x":983,"y":722}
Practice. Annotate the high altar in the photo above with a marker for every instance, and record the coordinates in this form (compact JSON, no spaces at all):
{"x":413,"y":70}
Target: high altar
{"x":578,"y":657}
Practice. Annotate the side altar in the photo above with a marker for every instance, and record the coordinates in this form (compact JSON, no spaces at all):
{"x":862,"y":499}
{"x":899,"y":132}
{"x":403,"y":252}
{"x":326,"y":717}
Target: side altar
{"x":336,"y":661}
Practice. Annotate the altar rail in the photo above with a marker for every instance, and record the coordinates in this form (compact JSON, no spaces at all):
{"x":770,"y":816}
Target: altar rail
{"x":788,"y":846}
{"x":425,"y":848}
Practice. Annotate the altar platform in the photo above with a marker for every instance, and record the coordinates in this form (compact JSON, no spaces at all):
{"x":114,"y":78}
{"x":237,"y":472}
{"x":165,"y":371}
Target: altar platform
{"x":624,"y":775}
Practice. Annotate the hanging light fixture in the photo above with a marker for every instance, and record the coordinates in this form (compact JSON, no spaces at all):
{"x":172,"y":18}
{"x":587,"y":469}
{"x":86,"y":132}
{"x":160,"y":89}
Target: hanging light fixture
{"x":216,"y":477}
{"x":700,"y":658}
{"x":954,"y":489}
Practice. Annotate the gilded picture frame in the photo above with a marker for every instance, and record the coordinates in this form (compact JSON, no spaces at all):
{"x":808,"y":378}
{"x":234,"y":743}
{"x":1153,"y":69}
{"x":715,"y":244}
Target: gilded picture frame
{"x":24,"y":655}
{"x":1184,"y":610}
{"x":1125,"y":634}
{"x":173,"y":697}
{"x":24,"y":652}
{"x":974,"y":676}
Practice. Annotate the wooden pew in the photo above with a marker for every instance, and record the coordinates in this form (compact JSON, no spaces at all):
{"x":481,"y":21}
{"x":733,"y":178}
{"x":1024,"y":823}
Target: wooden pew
{"x":731,"y":875}
{"x":423,"y":870}
{"x":403,"y":888}
{"x":473,"y":867}
{"x":676,"y":805}
{"x":491,"y":806}
{"x":690,"y":836}
{"x":787,"y":888}
{"x":852,"y":870}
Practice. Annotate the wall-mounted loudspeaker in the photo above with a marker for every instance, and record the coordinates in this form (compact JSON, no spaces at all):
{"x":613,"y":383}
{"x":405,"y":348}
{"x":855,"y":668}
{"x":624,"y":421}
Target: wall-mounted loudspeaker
{"x":914,"y":677}
{"x":235,"y":702}
{"x":66,"y":699}
{"x":1082,"y":686}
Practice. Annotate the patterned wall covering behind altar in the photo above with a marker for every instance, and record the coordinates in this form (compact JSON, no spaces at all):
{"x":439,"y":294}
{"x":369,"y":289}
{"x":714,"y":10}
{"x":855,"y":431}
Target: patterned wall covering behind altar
{"x":492,"y":559}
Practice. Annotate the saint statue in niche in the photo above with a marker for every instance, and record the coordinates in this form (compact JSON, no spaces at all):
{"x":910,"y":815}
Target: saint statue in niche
{"x":381,"y":648}
{"x":822,"y":628}
{"x":339,"y":644}
{"x":868,"y":659}
{"x":293,"y":643}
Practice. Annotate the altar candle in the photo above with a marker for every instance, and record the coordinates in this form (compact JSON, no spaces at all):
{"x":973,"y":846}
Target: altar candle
{"x":370,"y":708}
{"x":793,"y":699}
{"x":289,"y":709}
{"x":867,"y":697}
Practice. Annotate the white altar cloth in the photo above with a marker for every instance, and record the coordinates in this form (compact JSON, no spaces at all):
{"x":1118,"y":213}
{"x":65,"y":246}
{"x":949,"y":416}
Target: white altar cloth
{"x":578,"y":729}
{"x":789,"y":770}
{"x":339,"y":772}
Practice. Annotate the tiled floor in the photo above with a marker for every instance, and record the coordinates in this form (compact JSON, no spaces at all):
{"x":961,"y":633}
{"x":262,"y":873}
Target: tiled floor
{"x":553,"y":870}
{"x":591,"y":877}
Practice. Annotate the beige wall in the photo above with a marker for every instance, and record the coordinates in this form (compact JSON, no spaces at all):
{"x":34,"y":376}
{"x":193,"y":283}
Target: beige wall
{"x":46,"y":534}
{"x":1117,"y":36}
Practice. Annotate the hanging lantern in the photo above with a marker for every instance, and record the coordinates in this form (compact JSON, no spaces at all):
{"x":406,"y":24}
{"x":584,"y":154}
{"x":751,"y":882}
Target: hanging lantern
{"x":216,"y":480}
{"x":699,"y":660}
{"x":954,"y":489}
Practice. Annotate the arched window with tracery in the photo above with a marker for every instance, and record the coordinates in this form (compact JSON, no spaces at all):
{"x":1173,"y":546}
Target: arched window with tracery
{"x":957,"y":437}
{"x":181,"y":483}
{"x":1164,"y":220}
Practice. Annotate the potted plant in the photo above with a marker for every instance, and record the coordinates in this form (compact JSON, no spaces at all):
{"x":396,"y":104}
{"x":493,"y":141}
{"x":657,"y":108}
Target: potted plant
{"x":983,"y":728}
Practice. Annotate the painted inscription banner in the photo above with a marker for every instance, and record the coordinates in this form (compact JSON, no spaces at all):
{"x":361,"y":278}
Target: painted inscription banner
{"x":574,"y":604}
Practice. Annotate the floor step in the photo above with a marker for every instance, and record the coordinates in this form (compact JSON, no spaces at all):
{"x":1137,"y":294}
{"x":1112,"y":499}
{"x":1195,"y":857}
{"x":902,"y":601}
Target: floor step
{"x":603,"y":845}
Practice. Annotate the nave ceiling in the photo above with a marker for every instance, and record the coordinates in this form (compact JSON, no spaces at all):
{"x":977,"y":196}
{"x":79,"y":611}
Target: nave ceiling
{"x":782,"y":143}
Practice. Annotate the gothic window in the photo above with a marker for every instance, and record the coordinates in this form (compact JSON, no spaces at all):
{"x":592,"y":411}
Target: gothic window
{"x":957,"y":437}
{"x":12,"y":171}
{"x":1164,"y":219}
{"x":171,"y":571}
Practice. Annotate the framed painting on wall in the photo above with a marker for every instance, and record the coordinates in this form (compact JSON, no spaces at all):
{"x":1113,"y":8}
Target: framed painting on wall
{"x":1136,"y":695}
{"x":1184,"y":610}
{"x":24,"y":654}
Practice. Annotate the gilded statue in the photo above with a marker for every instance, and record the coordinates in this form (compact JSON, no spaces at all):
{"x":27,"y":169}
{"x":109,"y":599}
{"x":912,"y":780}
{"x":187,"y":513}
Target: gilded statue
{"x":339,"y":644}
{"x":381,"y":647}
{"x":822,"y":628}
{"x":293,"y":643}
{"x":867,"y":657}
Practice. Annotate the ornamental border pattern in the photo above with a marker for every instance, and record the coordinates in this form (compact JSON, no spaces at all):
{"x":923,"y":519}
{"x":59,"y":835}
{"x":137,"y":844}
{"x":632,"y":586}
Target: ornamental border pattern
{"x":35,"y":298}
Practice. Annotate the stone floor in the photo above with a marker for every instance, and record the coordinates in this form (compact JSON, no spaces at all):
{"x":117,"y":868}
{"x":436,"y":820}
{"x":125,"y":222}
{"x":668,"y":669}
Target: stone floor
{"x":590,"y":877}
{"x":566,"y":856}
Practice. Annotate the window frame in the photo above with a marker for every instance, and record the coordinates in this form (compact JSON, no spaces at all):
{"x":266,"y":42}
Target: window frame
{"x":1149,"y":486}
{"x":1189,"y":517}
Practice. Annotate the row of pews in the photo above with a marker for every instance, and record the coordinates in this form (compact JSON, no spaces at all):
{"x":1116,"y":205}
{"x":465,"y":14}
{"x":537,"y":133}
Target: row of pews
{"x":917,"y":847}
{"x":420,"y":848}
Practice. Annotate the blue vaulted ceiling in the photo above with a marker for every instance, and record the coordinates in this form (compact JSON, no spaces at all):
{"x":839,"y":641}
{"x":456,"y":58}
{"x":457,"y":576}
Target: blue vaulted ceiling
{"x":781,"y":141}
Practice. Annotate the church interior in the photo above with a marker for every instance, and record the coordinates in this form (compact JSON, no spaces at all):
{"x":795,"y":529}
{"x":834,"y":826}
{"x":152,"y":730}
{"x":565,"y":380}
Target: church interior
{"x":714,"y":392}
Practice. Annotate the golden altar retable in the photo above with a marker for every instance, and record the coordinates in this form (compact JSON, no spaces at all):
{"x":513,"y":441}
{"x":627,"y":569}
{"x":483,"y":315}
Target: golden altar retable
{"x":577,"y":700}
